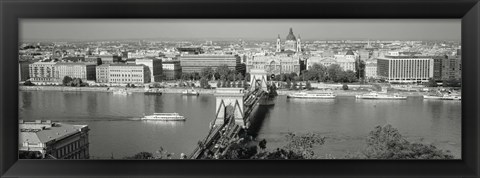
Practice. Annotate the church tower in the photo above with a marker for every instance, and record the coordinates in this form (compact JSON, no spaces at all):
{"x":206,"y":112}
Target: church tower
{"x":299,"y":44}
{"x":278,"y":44}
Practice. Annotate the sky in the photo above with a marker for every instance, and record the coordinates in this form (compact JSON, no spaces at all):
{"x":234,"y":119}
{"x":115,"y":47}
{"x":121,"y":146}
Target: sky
{"x":211,"y":29}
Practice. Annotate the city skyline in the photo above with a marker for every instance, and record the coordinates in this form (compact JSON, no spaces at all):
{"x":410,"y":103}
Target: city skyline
{"x":248,"y":29}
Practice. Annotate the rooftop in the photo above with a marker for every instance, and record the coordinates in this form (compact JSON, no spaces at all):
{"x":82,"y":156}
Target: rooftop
{"x":45,"y":131}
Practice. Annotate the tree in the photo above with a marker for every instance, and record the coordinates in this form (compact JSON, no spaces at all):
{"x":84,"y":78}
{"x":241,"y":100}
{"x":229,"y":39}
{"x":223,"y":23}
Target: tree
{"x":240,"y":76}
{"x":452,"y":83}
{"x":223,"y":71}
{"x":334,"y":72}
{"x":317,"y":72}
{"x":28,"y":83}
{"x":360,"y":64}
{"x":300,"y":86}
{"x":203,"y":82}
{"x":224,"y":84}
{"x":294,"y":86}
{"x":228,"y":84}
{"x":240,"y":84}
{"x":432,"y":83}
{"x":288,"y":85}
{"x":247,"y":76}
{"x":207,"y":73}
{"x":219,"y":84}
{"x":308,"y":85}
{"x":77,"y":82}
{"x":67,"y":81}
{"x":245,"y":84}
{"x":387,"y":143}
{"x":231,"y":76}
{"x":141,"y":155}
{"x":345,"y":87}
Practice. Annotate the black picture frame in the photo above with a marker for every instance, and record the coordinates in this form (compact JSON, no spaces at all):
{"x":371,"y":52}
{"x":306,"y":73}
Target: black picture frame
{"x":467,"y":10}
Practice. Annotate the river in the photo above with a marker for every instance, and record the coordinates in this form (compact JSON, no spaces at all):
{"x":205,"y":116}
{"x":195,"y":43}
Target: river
{"x":345,"y":121}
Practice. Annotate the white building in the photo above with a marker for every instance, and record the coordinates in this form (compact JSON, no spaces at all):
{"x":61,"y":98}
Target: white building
{"x":346,"y":62}
{"x":371,"y":70}
{"x":155,"y":67}
{"x":405,"y":69}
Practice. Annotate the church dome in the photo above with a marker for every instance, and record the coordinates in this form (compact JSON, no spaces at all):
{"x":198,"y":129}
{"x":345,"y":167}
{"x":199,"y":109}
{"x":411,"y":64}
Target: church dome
{"x":290,"y":36}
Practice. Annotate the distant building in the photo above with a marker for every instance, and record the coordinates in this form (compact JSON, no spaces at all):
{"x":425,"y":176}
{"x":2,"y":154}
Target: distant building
{"x":128,"y":73}
{"x":42,"y":72}
{"x":275,"y":64}
{"x":171,"y":70}
{"x":405,"y":69}
{"x":155,"y":67}
{"x":195,"y":63}
{"x":49,"y":140}
{"x":24,"y":70}
{"x":371,"y":70}
{"x":96,"y":60}
{"x":190,"y":50}
{"x":346,"y":62}
{"x":292,"y":43}
{"x":451,"y":68}
{"x":110,"y":59}
{"x":102,"y":72}
{"x":75,"y":70}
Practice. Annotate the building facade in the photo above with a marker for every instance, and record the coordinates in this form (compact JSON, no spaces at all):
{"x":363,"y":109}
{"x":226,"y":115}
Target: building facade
{"x":171,"y":70}
{"x":42,"y":72}
{"x":275,"y":64}
{"x":24,"y":70}
{"x":346,"y":62}
{"x":405,"y":69}
{"x":75,"y":70}
{"x":128,"y":73}
{"x":155,"y":67}
{"x":447,"y":67}
{"x":102,"y":73}
{"x":195,"y":63}
{"x":371,"y":70}
{"x":53,"y":140}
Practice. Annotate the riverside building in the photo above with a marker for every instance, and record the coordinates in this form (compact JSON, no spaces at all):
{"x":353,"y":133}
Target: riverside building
{"x":155,"y":67}
{"x":405,"y":69}
{"x":128,"y":73}
{"x":42,"y":72}
{"x":49,"y":140}
{"x":195,"y":63}
{"x":82,"y":71}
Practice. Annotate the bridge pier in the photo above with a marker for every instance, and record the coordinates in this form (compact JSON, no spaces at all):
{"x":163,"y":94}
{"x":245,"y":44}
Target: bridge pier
{"x":229,"y":97}
{"x":258,"y":78}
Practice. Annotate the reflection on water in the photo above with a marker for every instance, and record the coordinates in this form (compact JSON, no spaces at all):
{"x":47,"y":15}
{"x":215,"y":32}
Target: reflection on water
{"x":116,"y":127}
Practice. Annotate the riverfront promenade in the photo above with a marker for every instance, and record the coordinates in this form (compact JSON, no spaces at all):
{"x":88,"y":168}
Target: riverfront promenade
{"x":338,"y":92}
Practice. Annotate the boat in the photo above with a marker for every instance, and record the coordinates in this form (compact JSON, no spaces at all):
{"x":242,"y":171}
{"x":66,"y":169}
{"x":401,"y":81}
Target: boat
{"x":440,"y":96}
{"x":378,"y":96}
{"x":153,"y":92}
{"x":164,"y":117}
{"x":323,"y":95}
{"x":121,"y":92}
{"x":190,"y":92}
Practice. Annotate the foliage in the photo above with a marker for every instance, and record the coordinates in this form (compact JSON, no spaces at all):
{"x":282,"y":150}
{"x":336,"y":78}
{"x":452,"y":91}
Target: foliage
{"x":29,"y":155}
{"x":387,"y":143}
{"x":308,"y":85}
{"x":432,"y":83}
{"x":28,"y":83}
{"x":67,"y":81}
{"x":207,"y":73}
{"x":159,"y":154}
{"x":452,"y":83}
{"x":223,"y":71}
{"x":345,"y":87}
{"x":247,"y":76}
{"x":240,"y":76}
{"x":288,"y":85}
{"x":219,"y":84}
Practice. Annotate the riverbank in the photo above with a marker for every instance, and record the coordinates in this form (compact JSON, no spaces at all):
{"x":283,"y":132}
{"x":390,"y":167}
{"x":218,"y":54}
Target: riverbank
{"x":180,"y":90}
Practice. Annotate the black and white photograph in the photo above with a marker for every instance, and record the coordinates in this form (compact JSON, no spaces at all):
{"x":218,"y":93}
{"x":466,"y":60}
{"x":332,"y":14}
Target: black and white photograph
{"x":236,"y":89}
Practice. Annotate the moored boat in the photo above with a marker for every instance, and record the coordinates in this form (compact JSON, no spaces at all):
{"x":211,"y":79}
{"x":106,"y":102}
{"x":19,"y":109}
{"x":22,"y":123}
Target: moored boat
{"x":121,"y":92}
{"x":374,"y":95}
{"x":164,"y":117}
{"x":190,"y":92}
{"x":304,"y":95}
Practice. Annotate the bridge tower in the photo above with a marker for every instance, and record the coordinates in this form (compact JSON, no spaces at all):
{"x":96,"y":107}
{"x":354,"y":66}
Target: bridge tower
{"x":229,"y":97}
{"x":258,"y":77}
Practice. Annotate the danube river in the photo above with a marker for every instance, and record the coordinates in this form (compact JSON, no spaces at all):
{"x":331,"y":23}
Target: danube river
{"x":345,"y":121}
